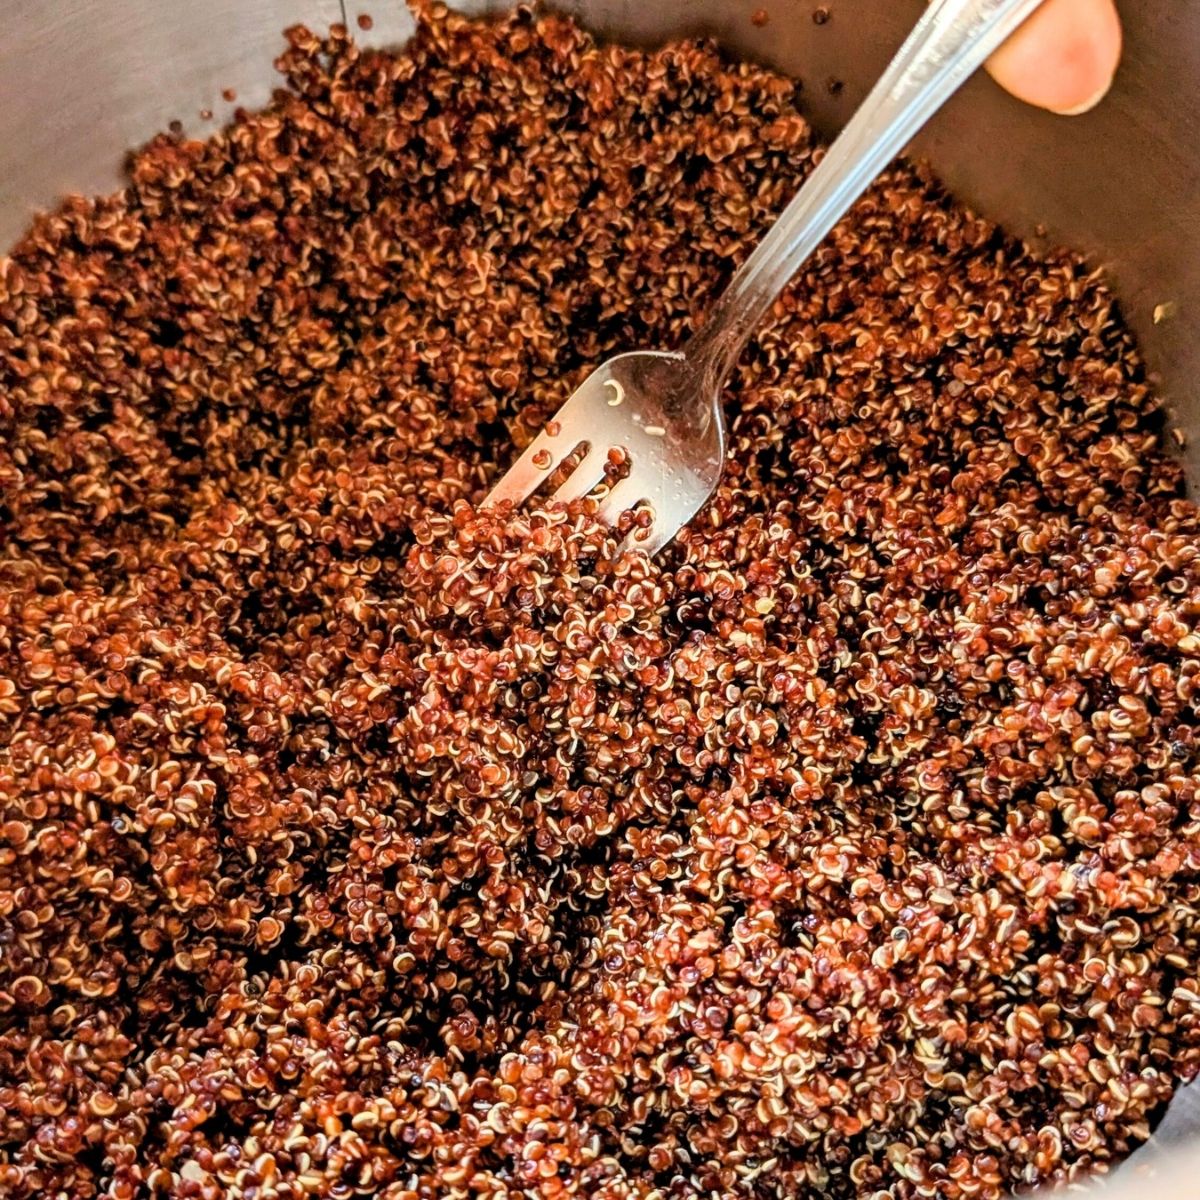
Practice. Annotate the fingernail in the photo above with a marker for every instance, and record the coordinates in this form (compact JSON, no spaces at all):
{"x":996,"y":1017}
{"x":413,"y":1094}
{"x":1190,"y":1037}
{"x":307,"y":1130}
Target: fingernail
{"x":1088,"y":104}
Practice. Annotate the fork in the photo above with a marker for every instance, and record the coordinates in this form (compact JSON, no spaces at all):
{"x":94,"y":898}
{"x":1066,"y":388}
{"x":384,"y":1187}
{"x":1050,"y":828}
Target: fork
{"x":663,"y":409}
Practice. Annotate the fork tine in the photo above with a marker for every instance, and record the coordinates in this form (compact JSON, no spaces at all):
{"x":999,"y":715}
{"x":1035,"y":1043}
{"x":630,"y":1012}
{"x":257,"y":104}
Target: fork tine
{"x":625,"y":494}
{"x":585,"y":476}
{"x":672,"y":511}
{"x":523,"y":478}
{"x":673,"y":464}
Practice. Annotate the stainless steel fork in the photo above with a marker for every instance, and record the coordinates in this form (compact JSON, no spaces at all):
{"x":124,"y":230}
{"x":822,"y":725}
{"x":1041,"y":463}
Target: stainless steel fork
{"x":663,"y":409}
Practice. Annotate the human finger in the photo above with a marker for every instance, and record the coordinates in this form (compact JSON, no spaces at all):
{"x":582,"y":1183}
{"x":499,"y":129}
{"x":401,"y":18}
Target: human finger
{"x":1064,"y":57}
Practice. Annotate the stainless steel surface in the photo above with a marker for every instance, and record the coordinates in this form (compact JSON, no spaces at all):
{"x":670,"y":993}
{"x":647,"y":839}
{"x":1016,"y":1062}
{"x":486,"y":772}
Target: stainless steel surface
{"x":664,"y":410}
{"x":82,"y":80}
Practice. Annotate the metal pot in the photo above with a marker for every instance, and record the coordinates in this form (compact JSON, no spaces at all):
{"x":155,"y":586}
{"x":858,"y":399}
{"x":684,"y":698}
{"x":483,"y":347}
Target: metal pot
{"x":83,"y":80}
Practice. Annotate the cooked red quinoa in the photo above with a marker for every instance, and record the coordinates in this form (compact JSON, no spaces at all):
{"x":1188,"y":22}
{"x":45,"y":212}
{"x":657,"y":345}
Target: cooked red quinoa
{"x":357,"y":843}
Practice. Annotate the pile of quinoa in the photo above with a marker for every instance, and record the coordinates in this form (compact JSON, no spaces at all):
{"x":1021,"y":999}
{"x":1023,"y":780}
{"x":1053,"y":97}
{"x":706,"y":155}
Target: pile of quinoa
{"x":355,"y":841}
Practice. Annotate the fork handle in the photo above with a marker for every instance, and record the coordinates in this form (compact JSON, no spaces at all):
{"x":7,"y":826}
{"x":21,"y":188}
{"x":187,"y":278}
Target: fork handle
{"x":949,"y":43}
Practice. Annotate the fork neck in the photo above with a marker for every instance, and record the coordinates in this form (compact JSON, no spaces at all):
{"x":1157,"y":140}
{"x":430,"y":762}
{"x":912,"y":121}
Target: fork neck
{"x":714,"y":349}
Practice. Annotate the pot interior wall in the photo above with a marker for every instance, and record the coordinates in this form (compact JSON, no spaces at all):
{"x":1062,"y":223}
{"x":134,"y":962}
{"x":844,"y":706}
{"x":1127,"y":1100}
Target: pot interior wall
{"x":83,"y":81}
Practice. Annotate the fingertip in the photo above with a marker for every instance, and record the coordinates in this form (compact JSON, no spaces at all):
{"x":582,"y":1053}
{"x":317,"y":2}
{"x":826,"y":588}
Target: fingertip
{"x":1087,"y":105}
{"x":1064,"y":58}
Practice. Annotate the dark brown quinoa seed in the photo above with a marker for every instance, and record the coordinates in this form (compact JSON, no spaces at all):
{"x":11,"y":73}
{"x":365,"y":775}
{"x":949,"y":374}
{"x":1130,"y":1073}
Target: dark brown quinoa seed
{"x":355,"y":842}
